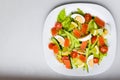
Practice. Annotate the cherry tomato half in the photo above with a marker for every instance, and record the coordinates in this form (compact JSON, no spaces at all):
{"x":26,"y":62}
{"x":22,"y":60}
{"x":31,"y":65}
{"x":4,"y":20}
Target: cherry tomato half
{"x":83,"y":45}
{"x":103,"y":49}
{"x":99,"y":22}
{"x":74,"y":54}
{"x":67,"y":42}
{"x":96,"y":60}
{"x":101,"y":40}
{"x":51,"y":45}
{"x":93,"y":39}
{"x":87,"y":17}
{"x":58,"y":25}
{"x":53,"y":31}
{"x":84,"y":29}
{"x":55,"y":49}
{"x":76,"y":33}
{"x":83,"y":58}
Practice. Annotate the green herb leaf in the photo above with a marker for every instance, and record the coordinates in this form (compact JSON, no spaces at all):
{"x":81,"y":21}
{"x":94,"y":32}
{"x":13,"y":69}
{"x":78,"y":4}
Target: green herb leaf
{"x":61,"y":16}
{"x":66,"y":23}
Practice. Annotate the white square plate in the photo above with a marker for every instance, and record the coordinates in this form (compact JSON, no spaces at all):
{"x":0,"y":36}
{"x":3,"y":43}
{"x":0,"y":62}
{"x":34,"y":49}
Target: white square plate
{"x":93,"y":9}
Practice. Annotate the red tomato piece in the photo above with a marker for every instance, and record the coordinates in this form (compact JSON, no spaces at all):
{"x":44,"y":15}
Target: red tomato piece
{"x":103,"y":49}
{"x":74,"y":54}
{"x":55,"y":49}
{"x":65,"y":58}
{"x":53,"y":31}
{"x":67,"y":64}
{"x":96,"y":60}
{"x":101,"y":40}
{"x":83,"y":45}
{"x":58,"y":25}
{"x":82,"y":58}
{"x":93,"y":39}
{"x":76,"y":33}
{"x":99,"y":22}
{"x":84,"y":29}
{"x":67,"y":42}
{"x":51,"y":45}
{"x":87,"y":17}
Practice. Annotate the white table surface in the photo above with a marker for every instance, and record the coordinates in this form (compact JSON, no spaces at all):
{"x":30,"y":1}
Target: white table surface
{"x":21,"y":26}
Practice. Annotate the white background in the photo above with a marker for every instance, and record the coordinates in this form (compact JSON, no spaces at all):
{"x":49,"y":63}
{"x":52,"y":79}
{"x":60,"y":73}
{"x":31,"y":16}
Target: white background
{"x":21,"y":26}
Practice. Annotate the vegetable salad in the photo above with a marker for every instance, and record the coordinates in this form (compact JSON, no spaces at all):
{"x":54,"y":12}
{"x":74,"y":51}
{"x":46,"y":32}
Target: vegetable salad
{"x":79,"y":39}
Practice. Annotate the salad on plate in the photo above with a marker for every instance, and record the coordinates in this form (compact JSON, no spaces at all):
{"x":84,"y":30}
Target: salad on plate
{"x":78,"y":40}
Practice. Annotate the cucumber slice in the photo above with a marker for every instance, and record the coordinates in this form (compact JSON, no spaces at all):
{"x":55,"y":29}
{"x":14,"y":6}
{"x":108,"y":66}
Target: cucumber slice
{"x":54,"y":40}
